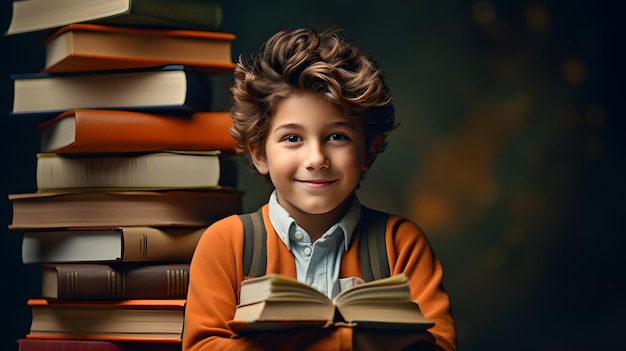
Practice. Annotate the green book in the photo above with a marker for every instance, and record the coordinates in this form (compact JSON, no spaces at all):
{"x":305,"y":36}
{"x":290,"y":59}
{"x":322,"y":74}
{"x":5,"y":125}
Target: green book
{"x":43,"y":15}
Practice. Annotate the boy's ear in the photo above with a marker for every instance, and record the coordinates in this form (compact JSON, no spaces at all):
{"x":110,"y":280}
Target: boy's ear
{"x":371,"y":153}
{"x":258,"y":159}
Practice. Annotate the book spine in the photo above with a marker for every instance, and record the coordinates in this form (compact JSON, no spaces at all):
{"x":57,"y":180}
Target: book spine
{"x":101,"y":281}
{"x":142,"y":244}
{"x":88,"y":280}
{"x":199,"y":91}
{"x":157,"y":282}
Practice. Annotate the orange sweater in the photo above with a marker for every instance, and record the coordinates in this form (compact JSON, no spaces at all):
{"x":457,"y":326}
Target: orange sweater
{"x":217,"y":271}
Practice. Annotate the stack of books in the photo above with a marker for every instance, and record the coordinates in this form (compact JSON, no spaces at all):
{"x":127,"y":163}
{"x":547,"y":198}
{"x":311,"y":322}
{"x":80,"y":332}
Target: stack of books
{"x":134,"y":166}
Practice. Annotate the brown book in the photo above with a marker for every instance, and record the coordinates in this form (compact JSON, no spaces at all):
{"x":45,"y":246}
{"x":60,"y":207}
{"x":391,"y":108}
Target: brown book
{"x":25,"y":344}
{"x":187,"y":208}
{"x":93,"y":281}
{"x":44,"y":15}
{"x":275,"y":301}
{"x":124,"y":320}
{"x":173,"y":88}
{"x":110,"y":131}
{"x":92,"y":47}
{"x":145,"y":171}
{"x":122,"y":244}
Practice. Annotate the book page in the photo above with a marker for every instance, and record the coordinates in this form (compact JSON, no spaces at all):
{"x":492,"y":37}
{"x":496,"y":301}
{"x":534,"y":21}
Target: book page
{"x":393,"y":288}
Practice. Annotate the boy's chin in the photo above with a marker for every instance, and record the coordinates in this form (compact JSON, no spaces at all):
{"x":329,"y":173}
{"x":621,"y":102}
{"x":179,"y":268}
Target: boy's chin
{"x":321,"y":209}
{"x":315,"y":206}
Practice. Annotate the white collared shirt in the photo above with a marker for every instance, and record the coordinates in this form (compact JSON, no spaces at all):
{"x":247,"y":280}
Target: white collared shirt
{"x":318,"y":263}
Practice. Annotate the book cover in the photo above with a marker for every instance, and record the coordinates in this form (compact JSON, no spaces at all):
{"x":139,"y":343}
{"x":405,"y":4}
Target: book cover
{"x":123,"y":320}
{"x":94,"y":281}
{"x":123,"y":244}
{"x":126,"y":208}
{"x":275,"y":301}
{"x":43,"y":15}
{"x":92,"y":47}
{"x":118,"y":172}
{"x":172,"y":88}
{"x":110,"y":131}
{"x":25,"y":344}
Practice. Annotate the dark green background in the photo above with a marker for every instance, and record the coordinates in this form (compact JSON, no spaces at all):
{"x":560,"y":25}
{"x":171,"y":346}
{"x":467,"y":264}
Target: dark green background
{"x":510,"y":156}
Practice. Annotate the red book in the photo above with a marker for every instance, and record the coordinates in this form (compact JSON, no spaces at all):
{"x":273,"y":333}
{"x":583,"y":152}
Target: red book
{"x":25,"y":344}
{"x":111,"y":131}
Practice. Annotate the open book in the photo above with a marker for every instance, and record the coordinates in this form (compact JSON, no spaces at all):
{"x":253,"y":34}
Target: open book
{"x":275,"y":301}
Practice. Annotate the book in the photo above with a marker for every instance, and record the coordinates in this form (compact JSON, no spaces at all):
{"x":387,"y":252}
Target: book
{"x":275,"y":301}
{"x":123,"y":320}
{"x":169,"y":88}
{"x":186,"y":208}
{"x":146,"y":171}
{"x":41,"y":15}
{"x":93,"y":47}
{"x":110,"y":131}
{"x":122,"y":244}
{"x":96,"y":281}
{"x":25,"y":344}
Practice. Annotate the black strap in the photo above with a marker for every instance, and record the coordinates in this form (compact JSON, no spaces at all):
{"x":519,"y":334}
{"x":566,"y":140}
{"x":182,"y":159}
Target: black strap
{"x":254,"y":244}
{"x":372,"y":247}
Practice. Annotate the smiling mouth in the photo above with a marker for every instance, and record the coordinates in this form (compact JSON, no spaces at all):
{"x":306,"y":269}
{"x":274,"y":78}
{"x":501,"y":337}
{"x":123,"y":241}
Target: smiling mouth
{"x":314,"y":182}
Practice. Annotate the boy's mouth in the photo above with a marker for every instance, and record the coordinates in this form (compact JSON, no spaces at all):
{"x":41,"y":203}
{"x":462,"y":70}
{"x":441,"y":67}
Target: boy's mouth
{"x":316,"y":183}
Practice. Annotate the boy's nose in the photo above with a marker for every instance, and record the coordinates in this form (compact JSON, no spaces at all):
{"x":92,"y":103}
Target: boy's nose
{"x":316,"y":157}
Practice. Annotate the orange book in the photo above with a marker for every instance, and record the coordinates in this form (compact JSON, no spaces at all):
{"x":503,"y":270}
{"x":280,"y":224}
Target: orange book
{"x":94,"y":47}
{"x":114,"y":131}
{"x":125,"y":320}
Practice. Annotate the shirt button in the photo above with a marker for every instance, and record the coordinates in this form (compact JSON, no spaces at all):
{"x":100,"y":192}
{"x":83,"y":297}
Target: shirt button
{"x":298,"y":235}
{"x":307,"y":251}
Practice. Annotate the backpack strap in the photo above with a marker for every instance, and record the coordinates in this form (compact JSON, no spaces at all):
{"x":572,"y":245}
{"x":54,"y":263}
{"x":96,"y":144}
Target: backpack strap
{"x":254,"y":244}
{"x":372,"y":246}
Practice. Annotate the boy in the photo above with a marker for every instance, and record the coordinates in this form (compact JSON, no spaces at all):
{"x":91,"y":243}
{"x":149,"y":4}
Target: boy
{"x":313,"y":112}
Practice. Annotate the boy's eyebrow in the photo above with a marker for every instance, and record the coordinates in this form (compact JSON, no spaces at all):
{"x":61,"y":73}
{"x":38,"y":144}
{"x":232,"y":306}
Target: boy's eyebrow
{"x":287,"y":126}
{"x":331,"y":125}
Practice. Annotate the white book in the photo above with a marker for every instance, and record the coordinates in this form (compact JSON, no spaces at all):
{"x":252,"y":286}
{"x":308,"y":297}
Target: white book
{"x":157,"y":170}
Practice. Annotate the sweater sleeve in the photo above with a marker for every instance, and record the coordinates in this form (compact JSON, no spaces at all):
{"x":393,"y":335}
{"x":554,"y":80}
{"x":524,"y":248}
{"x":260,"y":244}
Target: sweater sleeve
{"x":410,"y":253}
{"x":215,"y":277}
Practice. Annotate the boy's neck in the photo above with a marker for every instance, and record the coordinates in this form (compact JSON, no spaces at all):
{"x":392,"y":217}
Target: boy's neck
{"x":317,"y":224}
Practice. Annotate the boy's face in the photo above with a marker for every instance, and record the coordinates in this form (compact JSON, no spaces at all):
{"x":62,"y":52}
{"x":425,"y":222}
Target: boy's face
{"x":313,"y":154}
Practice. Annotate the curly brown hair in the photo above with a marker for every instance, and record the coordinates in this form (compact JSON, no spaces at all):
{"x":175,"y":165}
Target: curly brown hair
{"x":308,"y":60}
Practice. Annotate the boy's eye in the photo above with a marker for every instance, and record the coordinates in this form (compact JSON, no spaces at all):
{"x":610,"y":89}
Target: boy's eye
{"x":292,"y":139}
{"x":337,"y":137}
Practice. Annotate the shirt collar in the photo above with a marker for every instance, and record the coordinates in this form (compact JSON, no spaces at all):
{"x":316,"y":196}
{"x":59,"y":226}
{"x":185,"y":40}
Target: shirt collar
{"x":283,"y":223}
